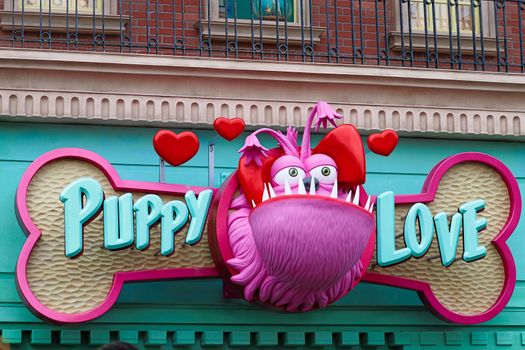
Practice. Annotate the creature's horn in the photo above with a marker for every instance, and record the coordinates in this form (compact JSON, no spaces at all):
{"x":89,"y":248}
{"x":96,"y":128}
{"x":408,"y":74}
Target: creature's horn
{"x":254,"y":151}
{"x":325,"y":114}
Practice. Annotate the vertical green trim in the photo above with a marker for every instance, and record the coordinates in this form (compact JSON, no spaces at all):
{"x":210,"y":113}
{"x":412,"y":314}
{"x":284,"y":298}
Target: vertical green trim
{"x":41,"y":337}
{"x":479,"y":338}
{"x":428,"y":338}
{"x":12,"y":336}
{"x":131,"y":337}
{"x":266,"y":338}
{"x":98,"y":337}
{"x":347,"y":338}
{"x":212,"y":338}
{"x":239,"y":338}
{"x":401,"y":338}
{"x":294,"y":338}
{"x":156,"y":338}
{"x":454,"y":338}
{"x":374,"y":339}
{"x":184,"y":338}
{"x":504,"y":338}
{"x":322,"y":338}
{"x":70,"y":337}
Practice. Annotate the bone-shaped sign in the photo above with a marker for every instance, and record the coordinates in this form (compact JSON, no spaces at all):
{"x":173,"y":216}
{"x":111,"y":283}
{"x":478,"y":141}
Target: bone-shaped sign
{"x":464,"y":292}
{"x":72,"y":290}
{"x":66,"y":290}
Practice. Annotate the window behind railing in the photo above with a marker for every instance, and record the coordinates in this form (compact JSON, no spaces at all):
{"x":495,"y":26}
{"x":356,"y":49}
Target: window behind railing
{"x":448,"y":34}
{"x":461,"y":14}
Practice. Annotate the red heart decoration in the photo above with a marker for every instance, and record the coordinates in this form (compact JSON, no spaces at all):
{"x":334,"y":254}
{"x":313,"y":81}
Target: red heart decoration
{"x":383,"y":143}
{"x":176,"y":149}
{"x":229,"y":129}
{"x":343,"y":144}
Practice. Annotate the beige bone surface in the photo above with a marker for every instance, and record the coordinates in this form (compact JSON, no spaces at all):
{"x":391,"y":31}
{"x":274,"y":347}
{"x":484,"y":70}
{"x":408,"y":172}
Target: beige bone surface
{"x":75,"y":285}
{"x":464,"y":288}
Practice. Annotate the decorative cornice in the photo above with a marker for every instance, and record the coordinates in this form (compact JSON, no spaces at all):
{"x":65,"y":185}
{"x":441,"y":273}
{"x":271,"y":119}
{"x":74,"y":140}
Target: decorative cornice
{"x":166,"y":91}
{"x":230,"y":338}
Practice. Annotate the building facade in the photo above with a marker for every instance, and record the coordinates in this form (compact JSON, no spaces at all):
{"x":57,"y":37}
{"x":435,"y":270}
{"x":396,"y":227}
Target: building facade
{"x":106,"y":75}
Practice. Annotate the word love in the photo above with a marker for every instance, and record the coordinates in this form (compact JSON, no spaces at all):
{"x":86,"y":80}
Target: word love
{"x":418,"y":244}
{"x":84,"y":198}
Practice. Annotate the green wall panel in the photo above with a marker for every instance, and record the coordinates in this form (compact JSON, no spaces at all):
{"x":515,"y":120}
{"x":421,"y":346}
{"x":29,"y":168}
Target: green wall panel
{"x":193,"y":314}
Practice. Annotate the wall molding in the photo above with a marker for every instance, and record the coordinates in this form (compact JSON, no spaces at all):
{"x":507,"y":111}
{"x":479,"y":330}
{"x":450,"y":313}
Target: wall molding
{"x":232,"y":338}
{"x":97,"y":88}
{"x":180,"y":111}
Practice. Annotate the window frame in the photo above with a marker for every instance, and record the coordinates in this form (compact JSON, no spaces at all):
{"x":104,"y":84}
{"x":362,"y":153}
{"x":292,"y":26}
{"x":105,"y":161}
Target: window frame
{"x":212,"y":23}
{"x":35,"y":20}
{"x":488,"y":20}
{"x":104,"y":11}
{"x":420,"y":43}
{"x":215,"y":16}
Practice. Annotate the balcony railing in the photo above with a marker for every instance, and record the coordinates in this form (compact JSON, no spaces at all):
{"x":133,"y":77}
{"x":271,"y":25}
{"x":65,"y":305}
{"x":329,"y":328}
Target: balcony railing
{"x":483,"y":35}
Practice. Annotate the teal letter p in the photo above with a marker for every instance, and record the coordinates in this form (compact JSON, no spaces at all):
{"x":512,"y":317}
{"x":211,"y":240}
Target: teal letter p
{"x":77,"y":214}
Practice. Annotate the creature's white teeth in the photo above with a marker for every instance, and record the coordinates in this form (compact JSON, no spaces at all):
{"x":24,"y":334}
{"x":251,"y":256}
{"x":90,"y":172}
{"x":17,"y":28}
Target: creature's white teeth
{"x":371,"y":208}
{"x":253,"y":203}
{"x":265,"y":195}
{"x":312,"y":187}
{"x":367,"y":205}
{"x":287,"y":189}
{"x":349,"y":197}
{"x":356,"y":198}
{"x":272,"y":192}
{"x":300,"y":187}
{"x":334,"y":191}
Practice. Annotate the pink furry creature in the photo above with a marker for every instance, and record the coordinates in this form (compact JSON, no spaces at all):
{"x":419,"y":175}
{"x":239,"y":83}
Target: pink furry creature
{"x":301,"y":227}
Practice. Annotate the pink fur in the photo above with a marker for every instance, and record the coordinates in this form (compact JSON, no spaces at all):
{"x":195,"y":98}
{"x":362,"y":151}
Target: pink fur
{"x":298,"y":253}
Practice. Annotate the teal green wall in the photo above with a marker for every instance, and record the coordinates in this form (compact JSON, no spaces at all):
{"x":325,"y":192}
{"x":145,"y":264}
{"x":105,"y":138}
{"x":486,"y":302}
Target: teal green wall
{"x":160,"y":315}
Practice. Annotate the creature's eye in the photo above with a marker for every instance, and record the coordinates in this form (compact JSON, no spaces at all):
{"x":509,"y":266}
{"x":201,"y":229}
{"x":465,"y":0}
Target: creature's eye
{"x":292,"y":174}
{"x":326,"y":174}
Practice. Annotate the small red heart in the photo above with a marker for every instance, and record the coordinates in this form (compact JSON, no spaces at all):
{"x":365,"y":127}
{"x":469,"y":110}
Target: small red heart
{"x":383,"y":143}
{"x":230,"y":129}
{"x":176,"y":149}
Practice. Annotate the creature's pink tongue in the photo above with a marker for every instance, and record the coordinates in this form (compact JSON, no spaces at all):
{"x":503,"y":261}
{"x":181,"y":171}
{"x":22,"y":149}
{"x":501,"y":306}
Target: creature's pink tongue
{"x":310,"y":242}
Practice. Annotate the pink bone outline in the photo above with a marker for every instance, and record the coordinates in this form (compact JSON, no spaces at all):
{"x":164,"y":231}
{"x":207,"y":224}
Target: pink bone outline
{"x":429,"y":190}
{"x":425,"y":292}
{"x":34,"y":233}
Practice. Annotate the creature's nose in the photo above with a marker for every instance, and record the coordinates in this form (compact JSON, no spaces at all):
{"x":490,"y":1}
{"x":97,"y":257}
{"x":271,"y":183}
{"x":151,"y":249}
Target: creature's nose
{"x":308,"y":183}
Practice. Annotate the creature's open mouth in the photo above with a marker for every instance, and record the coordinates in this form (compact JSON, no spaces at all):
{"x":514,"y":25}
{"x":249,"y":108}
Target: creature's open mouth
{"x":355,"y":196}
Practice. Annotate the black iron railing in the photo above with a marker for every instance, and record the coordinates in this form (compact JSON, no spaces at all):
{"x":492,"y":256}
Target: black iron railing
{"x":449,"y":34}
